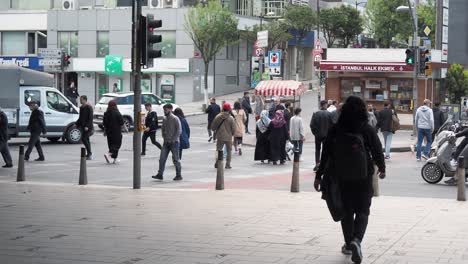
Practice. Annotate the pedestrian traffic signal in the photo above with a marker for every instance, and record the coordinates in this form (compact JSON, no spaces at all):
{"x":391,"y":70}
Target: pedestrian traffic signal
{"x":422,"y":60}
{"x":409,"y":57}
{"x":66,"y":60}
{"x":148,"y":39}
{"x":256,"y":64}
{"x":428,"y":63}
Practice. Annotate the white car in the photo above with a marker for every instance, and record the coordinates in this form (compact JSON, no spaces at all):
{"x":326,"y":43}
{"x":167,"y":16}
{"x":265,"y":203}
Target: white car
{"x":125,"y":105}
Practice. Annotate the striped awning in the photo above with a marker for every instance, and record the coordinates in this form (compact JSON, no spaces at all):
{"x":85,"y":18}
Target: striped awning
{"x":280,"y":88}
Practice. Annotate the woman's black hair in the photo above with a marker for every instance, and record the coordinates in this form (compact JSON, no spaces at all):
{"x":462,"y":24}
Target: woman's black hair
{"x":237,"y":106}
{"x":178,"y":112}
{"x":353,"y":114}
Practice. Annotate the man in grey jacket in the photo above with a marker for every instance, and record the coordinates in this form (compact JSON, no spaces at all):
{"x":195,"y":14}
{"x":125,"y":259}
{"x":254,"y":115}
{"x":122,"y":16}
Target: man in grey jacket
{"x":171,"y":130}
{"x":424,"y":122}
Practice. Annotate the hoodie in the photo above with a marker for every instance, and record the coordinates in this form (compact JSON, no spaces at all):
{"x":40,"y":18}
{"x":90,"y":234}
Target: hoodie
{"x":224,"y":126}
{"x":425,"y":118}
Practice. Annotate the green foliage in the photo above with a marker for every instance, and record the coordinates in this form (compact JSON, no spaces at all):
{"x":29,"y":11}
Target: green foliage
{"x":342,"y":22}
{"x":277,"y":33}
{"x":386,"y":23}
{"x":302,"y":19}
{"x":427,"y":16}
{"x":211,"y":28}
{"x":456,"y":82}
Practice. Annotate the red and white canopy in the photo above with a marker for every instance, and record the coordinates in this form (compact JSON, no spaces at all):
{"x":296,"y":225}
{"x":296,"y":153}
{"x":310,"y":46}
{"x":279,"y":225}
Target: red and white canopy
{"x":280,"y":88}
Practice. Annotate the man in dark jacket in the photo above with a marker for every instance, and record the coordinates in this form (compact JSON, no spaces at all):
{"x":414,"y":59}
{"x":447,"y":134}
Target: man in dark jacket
{"x":4,"y":140}
{"x":151,"y":125}
{"x":85,"y":124}
{"x":247,"y":109}
{"x":212,"y":110}
{"x":439,"y":119}
{"x":385,"y":124}
{"x":36,"y":126}
{"x":171,"y":130}
{"x":320,"y":124}
{"x":72,"y":93}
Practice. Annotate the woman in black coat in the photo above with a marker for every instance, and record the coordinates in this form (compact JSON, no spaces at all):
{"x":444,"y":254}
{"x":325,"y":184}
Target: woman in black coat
{"x":262,"y":147}
{"x":113,"y":122}
{"x":279,"y":134}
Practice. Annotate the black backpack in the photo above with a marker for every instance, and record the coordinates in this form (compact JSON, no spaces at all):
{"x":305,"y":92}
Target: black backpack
{"x":350,"y":157}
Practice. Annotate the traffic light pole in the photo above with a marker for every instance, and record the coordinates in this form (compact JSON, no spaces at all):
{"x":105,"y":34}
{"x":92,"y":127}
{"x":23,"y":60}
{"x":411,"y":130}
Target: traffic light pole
{"x":136,"y":78}
{"x":416,"y":62}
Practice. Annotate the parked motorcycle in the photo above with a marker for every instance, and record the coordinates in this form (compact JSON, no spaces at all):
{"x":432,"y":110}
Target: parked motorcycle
{"x":443,"y":133}
{"x":439,"y":166}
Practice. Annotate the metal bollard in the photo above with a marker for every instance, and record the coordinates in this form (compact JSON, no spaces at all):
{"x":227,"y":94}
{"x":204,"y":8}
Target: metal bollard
{"x":461,"y":192}
{"x":220,"y":172}
{"x":295,"y":173}
{"x":375,"y":182}
{"x":83,"y":180}
{"x":20,"y":174}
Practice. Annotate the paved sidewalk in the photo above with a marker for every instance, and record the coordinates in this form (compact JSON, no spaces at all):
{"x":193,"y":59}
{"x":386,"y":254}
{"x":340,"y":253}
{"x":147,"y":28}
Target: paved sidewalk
{"x":195,"y":108}
{"x":48,"y":224}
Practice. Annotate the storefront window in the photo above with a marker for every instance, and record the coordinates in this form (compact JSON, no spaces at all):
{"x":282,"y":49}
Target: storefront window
{"x":350,"y":87}
{"x":69,"y":42}
{"x":13,"y":43}
{"x":167,"y":44}
{"x":102,"y":44}
{"x":102,"y":84}
{"x":375,"y":89}
{"x":401,"y":93}
{"x":30,"y":5}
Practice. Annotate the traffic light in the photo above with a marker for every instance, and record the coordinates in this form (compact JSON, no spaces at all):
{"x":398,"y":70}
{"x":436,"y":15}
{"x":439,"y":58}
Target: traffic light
{"x":256,"y":64}
{"x":409,"y":57}
{"x":148,"y":39}
{"x":428,"y":64}
{"x":66,"y":60}
{"x":422,"y":60}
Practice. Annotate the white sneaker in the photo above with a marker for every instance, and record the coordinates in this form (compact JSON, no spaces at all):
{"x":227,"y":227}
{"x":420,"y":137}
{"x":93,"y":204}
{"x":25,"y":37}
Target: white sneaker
{"x":116,"y":161}
{"x":301,"y":159}
{"x":453,"y":164}
{"x":106,"y":156}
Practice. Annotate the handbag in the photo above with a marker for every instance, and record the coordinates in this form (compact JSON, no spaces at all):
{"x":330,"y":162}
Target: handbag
{"x":395,"y":123}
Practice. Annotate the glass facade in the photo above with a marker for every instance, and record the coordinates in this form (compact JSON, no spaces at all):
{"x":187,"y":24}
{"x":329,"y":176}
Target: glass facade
{"x":69,"y":42}
{"x":30,"y":4}
{"x":13,"y":43}
{"x":167,"y":44}
{"x":102,"y":44}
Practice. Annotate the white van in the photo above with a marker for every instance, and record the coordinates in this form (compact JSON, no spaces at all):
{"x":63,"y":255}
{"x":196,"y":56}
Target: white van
{"x":21,"y":86}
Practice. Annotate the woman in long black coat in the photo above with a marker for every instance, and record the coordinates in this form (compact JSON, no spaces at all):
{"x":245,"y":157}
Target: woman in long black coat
{"x":113,"y":122}
{"x":262,"y":147}
{"x":279,"y":134}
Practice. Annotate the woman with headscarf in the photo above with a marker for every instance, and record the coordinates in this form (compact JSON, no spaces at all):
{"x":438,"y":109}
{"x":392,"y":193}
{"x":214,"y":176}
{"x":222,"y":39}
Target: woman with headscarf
{"x":239,"y":117}
{"x":262,"y":148}
{"x":279,"y":134}
{"x":113,"y":122}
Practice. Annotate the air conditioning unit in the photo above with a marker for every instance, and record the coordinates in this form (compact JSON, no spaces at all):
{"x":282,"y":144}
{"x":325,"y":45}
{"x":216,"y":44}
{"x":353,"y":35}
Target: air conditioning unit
{"x":156,"y":3}
{"x":170,"y":3}
{"x":68,"y":4}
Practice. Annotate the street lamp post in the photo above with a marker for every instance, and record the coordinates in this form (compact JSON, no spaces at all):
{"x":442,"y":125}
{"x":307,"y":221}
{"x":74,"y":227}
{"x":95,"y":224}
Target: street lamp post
{"x":359,"y":3}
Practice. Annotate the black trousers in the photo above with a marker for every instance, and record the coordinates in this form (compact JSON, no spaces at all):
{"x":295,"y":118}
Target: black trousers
{"x":357,"y":199}
{"x":152,"y":136}
{"x":114,"y":143}
{"x":34,"y":141}
{"x":86,"y":142}
{"x":246,"y":122}
{"x":6,"y":153}
{"x":318,"y":148}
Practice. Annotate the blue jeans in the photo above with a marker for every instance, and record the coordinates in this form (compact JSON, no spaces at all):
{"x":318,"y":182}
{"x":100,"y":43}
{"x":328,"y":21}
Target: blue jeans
{"x":167,"y":147}
{"x":421,"y":134}
{"x":297,"y":145}
{"x":387,"y":135}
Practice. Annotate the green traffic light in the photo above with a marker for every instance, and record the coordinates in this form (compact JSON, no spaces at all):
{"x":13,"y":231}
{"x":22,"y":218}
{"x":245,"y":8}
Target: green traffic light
{"x":410,"y":61}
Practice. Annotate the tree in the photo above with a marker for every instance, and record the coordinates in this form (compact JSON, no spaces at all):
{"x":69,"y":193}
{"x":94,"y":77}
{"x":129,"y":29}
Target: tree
{"x":352,"y":24}
{"x":386,"y":23}
{"x":211,"y":27}
{"x":277,"y":33}
{"x":301,"y":19}
{"x":330,"y":21}
{"x":456,"y":82}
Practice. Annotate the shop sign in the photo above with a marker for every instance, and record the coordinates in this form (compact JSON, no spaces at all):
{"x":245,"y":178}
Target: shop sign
{"x":364,"y":67}
{"x":26,"y":62}
{"x":113,"y":65}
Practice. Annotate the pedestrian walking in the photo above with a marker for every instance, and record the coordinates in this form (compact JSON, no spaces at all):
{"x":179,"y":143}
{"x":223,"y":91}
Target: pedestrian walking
{"x":212,"y":110}
{"x":85,"y":124}
{"x":224,"y":127}
{"x":4,"y":140}
{"x":439,"y":119}
{"x":113,"y":122}
{"x":345,"y":173}
{"x":36,"y":127}
{"x":371,"y":116}
{"x":262,"y":147}
{"x":275,"y":103}
{"x":151,"y":126}
{"x":171,"y":131}
{"x":279,"y":134}
{"x":184,"y":140}
{"x":259,"y":107}
{"x":240,"y":119}
{"x":385,"y":124}
{"x":424,"y":122}
{"x":72,"y":93}
{"x":332,"y":106}
{"x":320,"y":124}
{"x":247,"y":109}
{"x":297,"y":132}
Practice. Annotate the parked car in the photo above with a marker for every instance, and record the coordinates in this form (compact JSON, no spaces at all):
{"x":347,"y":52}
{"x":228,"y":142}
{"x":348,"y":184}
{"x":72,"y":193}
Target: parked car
{"x":125,"y":104}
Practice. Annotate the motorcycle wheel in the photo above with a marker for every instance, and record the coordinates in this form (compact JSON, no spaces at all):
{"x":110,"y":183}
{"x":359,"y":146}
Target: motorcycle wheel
{"x":431,"y":173}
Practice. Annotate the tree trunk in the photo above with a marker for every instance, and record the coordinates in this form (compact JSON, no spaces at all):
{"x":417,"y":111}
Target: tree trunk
{"x":205,"y":90}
